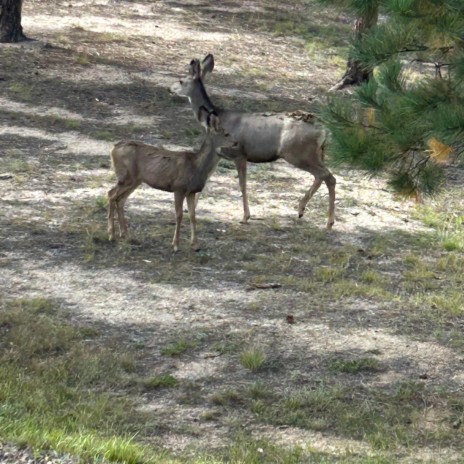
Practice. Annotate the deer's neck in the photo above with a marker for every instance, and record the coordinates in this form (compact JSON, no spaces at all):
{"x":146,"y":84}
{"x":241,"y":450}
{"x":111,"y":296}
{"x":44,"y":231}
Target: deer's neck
{"x":200,"y":99}
{"x":207,"y":157}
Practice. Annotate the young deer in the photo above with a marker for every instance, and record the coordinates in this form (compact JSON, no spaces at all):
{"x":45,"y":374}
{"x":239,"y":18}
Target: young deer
{"x":184,"y":173}
{"x":263,"y":138}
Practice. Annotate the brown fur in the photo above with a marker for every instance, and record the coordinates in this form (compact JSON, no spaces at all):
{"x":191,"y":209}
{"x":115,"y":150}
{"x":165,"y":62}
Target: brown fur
{"x":265,"y":137}
{"x":184,"y":173}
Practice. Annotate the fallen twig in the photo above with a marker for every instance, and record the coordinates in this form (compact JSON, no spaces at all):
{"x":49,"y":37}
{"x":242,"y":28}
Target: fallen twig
{"x":254,"y":286}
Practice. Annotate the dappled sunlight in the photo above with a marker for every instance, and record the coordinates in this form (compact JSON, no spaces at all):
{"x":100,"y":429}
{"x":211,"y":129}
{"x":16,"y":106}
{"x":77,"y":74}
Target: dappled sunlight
{"x":359,"y":327}
{"x":73,"y":142}
{"x":128,"y":299}
{"x":121,"y":116}
{"x":40,"y":110}
{"x":125,"y":28}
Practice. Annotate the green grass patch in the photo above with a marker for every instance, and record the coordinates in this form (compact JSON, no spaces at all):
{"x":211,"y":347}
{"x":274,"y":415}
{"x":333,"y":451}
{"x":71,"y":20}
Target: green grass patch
{"x":385,"y":418}
{"x":60,"y":389}
{"x":57,"y":383}
{"x":259,"y":390}
{"x":448,"y":224}
{"x":179,"y":347}
{"x":130,"y":130}
{"x":72,"y":124}
{"x":100,"y":204}
{"x":354,"y":366}
{"x":228,"y":397}
{"x":93,"y":236}
{"x":371,"y":277}
{"x":103,"y":135}
{"x":192,"y":132}
{"x":249,"y":451}
{"x":83,"y":59}
{"x":23,"y":91}
{"x":167,"y":135}
{"x":15,"y":165}
{"x":449,"y":303}
{"x":328,"y":273}
{"x":347,"y":288}
{"x":230,"y":346}
{"x":109,"y":37}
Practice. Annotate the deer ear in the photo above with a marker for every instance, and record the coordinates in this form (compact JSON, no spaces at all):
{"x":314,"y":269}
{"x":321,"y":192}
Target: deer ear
{"x":207,"y":65}
{"x":194,"y":68}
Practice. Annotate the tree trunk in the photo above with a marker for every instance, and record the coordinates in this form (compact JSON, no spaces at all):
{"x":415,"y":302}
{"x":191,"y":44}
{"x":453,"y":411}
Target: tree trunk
{"x":10,"y":21}
{"x":356,"y":73}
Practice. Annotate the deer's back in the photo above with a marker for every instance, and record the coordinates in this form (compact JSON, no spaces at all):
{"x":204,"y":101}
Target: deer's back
{"x":156,"y":166}
{"x":266,"y":137}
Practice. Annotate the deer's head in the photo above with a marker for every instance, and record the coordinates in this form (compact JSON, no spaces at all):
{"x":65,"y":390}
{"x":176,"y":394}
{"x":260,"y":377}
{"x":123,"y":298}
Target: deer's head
{"x":197,"y":71}
{"x":212,"y":123}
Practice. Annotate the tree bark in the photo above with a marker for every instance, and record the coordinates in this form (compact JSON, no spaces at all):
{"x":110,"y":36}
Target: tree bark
{"x":356,"y":73}
{"x":10,"y":21}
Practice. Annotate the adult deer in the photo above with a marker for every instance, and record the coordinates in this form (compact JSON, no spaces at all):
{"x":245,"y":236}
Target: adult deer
{"x":184,"y":173}
{"x":263,"y":137}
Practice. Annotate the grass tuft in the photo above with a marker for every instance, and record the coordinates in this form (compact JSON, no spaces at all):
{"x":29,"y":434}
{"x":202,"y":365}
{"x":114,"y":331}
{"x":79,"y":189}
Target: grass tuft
{"x":253,"y":359}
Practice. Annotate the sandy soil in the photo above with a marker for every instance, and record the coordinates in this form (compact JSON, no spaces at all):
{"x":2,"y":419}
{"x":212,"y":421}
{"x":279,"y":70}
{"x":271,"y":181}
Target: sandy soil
{"x":100,"y":71}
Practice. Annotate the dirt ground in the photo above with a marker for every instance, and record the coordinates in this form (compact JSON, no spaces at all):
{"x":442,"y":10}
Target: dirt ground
{"x":99,"y":71}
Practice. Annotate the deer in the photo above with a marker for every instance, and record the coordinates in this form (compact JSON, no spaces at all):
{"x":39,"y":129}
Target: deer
{"x":263,"y":137}
{"x":184,"y":173}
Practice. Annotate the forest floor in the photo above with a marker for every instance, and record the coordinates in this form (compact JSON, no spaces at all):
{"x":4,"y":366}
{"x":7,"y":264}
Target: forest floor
{"x":356,"y":355}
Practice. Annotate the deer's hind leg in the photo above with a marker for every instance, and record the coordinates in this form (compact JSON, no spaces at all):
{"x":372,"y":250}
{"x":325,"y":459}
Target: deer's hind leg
{"x":120,"y":202}
{"x":117,"y":197}
{"x":330,"y":181}
{"x":241,"y":165}
{"x":315,"y":166}
{"x":309,"y":194}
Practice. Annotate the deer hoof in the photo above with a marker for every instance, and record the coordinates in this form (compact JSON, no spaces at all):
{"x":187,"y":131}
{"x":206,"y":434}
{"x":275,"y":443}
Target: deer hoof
{"x":330,"y":225}
{"x":175,"y":248}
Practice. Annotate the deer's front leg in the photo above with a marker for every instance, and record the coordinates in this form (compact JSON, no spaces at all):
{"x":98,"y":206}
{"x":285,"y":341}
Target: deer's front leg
{"x":178,"y":203}
{"x":241,"y":164}
{"x":191,"y":203}
{"x":121,"y":202}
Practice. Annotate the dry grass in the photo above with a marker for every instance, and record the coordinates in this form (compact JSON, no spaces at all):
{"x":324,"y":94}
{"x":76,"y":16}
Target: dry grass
{"x":355,"y":357}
